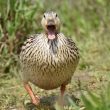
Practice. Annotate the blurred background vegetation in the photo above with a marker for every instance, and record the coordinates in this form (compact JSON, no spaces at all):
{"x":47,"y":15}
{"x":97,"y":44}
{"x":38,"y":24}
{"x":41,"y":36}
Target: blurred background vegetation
{"x":86,"y":21}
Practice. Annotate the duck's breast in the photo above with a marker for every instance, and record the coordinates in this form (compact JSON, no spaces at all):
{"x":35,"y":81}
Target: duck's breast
{"x":49,"y":68}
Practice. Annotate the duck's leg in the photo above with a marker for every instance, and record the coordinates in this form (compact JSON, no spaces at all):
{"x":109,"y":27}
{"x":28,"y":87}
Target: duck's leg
{"x":35,"y":99}
{"x":62,"y":89}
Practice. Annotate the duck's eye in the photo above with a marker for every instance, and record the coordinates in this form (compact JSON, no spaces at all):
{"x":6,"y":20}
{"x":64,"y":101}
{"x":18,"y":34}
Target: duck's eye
{"x":44,"y":16}
{"x":56,"y":15}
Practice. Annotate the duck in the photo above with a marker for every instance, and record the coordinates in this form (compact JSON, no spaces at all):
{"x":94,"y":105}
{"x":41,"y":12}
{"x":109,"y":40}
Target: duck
{"x":49,"y":59}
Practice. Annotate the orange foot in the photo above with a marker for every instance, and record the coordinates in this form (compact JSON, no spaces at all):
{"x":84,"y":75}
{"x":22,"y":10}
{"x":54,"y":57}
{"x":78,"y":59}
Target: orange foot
{"x":35,"y":99}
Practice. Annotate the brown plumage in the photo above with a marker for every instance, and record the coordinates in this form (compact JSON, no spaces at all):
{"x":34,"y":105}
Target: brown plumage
{"x":49,"y":59}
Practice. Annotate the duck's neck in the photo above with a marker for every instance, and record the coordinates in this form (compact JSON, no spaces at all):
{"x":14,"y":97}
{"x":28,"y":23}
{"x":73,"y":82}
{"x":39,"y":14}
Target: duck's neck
{"x":53,"y":45}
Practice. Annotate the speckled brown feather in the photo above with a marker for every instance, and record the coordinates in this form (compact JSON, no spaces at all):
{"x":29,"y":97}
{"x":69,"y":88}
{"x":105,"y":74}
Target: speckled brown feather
{"x":48,"y":64}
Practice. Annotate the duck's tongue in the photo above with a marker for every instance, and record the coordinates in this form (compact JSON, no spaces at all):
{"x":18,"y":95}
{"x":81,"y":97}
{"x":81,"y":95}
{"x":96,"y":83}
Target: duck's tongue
{"x":51,"y":32}
{"x":51,"y":35}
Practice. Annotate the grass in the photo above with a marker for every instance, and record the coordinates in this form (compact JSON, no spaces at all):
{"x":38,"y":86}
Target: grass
{"x":87,"y":22}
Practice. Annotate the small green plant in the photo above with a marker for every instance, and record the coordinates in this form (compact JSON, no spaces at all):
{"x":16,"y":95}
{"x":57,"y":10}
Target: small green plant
{"x":93,"y":101}
{"x":17,"y":20}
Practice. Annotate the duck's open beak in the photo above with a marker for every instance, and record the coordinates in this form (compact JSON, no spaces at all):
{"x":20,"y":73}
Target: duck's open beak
{"x":51,"y":30}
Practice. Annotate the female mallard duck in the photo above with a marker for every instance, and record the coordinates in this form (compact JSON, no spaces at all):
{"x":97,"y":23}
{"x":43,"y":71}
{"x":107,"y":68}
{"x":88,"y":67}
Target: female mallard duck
{"x":49,"y":59}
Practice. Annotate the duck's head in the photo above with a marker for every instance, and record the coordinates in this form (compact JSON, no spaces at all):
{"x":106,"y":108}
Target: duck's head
{"x":51,"y":24}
